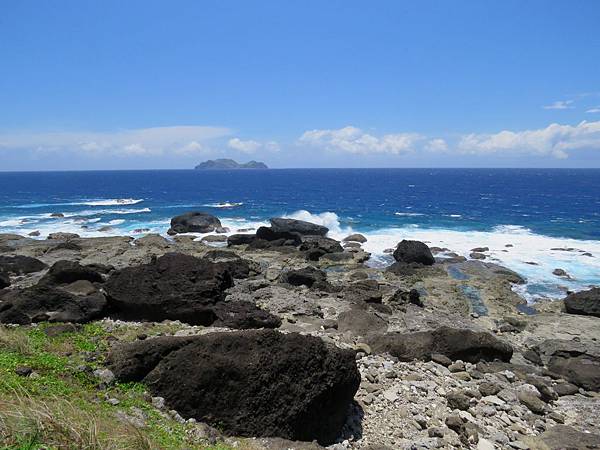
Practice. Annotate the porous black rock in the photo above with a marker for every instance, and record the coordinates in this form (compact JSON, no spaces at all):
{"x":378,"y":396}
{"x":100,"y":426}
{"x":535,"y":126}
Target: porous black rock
{"x":252,"y":383}
{"x":301,"y":227}
{"x":413,"y":252}
{"x":585,"y":303}
{"x":20,"y":265}
{"x":194,"y":222}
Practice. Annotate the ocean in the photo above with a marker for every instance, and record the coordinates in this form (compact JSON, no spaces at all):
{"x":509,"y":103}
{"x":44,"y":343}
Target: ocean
{"x":548,"y":218}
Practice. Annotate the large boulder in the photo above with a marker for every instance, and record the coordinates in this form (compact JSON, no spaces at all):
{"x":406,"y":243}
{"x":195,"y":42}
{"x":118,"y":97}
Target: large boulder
{"x":268,"y":237}
{"x":180,"y":287}
{"x":298,"y":226}
{"x":576,"y":362}
{"x":252,"y":383}
{"x":310,"y":277}
{"x":455,"y":343}
{"x":240,"y":239}
{"x":63,"y":272}
{"x":585,"y":302}
{"x":20,"y":265}
{"x":561,"y":437}
{"x":46,"y":303}
{"x":194,"y":222}
{"x":413,"y":252}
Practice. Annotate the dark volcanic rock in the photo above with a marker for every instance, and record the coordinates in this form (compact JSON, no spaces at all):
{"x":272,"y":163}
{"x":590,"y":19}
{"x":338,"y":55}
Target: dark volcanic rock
{"x":298,"y":226}
{"x":46,"y":303}
{"x":194,"y":222}
{"x":363,"y":291}
{"x":317,"y":246}
{"x":585,"y":303}
{"x":64,"y":272}
{"x":20,"y":265}
{"x":4,"y":280}
{"x":174,"y":286}
{"x":275,"y":238}
{"x":413,"y":252}
{"x":254,"y":383}
{"x":240,"y":239}
{"x":182,"y":287}
{"x":307,"y":276}
{"x":455,"y":343}
{"x":402,"y":297}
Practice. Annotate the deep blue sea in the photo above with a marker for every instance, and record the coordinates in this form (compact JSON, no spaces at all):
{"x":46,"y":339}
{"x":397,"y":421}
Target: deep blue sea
{"x":537,"y":211}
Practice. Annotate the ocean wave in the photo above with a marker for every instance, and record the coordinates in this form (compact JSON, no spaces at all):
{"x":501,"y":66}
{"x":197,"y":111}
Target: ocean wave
{"x":100,"y":212}
{"x":408,"y":214}
{"x":328,"y":219}
{"x":101,"y":202}
{"x":223,"y":205}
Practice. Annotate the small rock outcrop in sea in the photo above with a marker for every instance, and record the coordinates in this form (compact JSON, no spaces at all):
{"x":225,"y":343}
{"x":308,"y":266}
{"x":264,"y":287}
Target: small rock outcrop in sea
{"x":194,"y":222}
{"x":413,"y":252}
{"x":301,"y":227}
{"x":225,"y":163}
{"x":253,"y":383}
{"x":455,"y":343}
{"x":585,"y":302}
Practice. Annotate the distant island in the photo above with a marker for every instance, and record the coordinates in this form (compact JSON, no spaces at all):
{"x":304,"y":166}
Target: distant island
{"x":229,"y":164}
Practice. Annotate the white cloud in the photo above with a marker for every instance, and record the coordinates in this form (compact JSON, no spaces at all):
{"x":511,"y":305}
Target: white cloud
{"x":594,"y":110}
{"x":353,"y":140}
{"x":251,"y":146}
{"x":142,"y":141}
{"x":560,"y":104}
{"x":436,"y":145}
{"x":555,"y":140}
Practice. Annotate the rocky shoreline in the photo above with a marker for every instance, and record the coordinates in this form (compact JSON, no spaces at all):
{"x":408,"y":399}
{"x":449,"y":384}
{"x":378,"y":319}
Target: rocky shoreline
{"x":288,"y":337}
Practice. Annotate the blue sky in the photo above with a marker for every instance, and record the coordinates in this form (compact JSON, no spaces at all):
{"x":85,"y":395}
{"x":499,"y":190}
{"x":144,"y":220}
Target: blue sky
{"x":155,"y":84}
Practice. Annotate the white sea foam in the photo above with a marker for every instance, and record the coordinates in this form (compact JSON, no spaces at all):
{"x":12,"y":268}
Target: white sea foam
{"x":327,"y":219}
{"x":223,"y":205}
{"x":100,"y":202}
{"x":408,"y":214}
{"x":100,"y":212}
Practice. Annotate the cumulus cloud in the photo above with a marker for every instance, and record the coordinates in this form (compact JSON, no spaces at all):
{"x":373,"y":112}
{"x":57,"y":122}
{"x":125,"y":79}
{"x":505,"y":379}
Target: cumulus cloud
{"x":560,"y":104}
{"x":251,"y":146}
{"x":353,"y":140}
{"x":555,"y":140}
{"x":142,"y":141}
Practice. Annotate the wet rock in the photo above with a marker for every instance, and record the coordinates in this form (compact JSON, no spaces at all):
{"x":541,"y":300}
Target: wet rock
{"x":476,"y":255}
{"x":586,"y":303}
{"x":561,"y":273}
{"x":455,"y":343}
{"x":20,"y":265}
{"x":413,"y":252}
{"x":298,"y":226}
{"x":258,"y":383}
{"x":480,"y":249}
{"x":194,"y":222}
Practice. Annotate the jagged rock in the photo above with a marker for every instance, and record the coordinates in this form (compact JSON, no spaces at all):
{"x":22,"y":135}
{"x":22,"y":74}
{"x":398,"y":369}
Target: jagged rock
{"x":254,"y":383}
{"x":402,"y":297}
{"x":194,"y":222}
{"x":317,"y":246}
{"x":20,"y":265}
{"x":63,"y":236}
{"x":585,"y":302}
{"x":413,"y":252}
{"x":46,"y":303}
{"x":363,"y":291}
{"x":562,"y":437}
{"x":455,"y":343}
{"x":267,"y":237}
{"x":298,"y":226}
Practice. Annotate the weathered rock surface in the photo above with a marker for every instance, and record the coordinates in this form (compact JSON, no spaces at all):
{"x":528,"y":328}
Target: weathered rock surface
{"x":194,"y":222}
{"x":455,"y":343}
{"x":585,"y":302}
{"x":20,"y":265}
{"x":413,"y":252}
{"x":256,"y":383}
{"x":4,"y":280}
{"x":64,"y":272}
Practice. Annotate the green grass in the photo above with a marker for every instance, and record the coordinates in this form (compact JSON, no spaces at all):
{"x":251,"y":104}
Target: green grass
{"x":63,"y":407}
